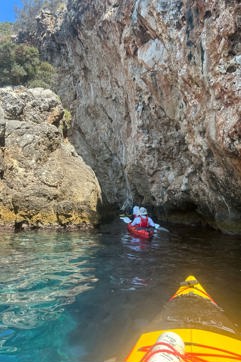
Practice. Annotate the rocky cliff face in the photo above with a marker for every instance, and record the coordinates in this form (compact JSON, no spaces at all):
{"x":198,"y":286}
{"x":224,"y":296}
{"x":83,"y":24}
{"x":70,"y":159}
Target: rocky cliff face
{"x":154,"y":86}
{"x":43,"y":181}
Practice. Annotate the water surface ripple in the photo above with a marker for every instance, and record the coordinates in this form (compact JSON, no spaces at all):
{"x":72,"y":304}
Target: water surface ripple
{"x":85,"y":297}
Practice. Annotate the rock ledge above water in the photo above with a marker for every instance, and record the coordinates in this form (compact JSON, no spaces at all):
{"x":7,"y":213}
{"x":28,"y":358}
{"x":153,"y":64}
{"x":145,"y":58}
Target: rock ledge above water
{"x":43,"y":182}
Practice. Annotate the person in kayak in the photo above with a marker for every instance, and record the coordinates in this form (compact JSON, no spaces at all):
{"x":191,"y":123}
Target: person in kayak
{"x":143,"y":220}
{"x":135,"y":212}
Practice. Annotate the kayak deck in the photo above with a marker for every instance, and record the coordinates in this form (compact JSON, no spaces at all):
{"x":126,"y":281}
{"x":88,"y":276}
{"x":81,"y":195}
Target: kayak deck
{"x":208,"y":334}
{"x":210,"y":346}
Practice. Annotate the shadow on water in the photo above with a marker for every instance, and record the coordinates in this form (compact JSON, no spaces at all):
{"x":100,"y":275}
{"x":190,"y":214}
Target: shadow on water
{"x":81,"y":297}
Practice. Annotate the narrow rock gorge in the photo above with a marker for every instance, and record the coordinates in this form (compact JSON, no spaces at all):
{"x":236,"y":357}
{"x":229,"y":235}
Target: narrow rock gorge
{"x":43,"y":181}
{"x":154,"y":90}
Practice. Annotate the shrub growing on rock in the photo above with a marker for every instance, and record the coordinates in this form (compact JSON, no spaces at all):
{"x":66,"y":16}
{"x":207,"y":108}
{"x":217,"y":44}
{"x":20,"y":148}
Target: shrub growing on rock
{"x":6,"y":30}
{"x":20,"y":64}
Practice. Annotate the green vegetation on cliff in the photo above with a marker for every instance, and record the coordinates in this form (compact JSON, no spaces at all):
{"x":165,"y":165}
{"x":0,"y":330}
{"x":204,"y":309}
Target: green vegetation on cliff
{"x":20,"y":64}
{"x":6,"y":30}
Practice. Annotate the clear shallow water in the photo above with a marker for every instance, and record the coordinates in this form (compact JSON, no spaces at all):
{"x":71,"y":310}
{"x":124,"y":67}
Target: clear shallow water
{"x":81,"y":297}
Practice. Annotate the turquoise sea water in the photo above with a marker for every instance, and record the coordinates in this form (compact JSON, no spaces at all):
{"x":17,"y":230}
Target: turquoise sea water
{"x":85,"y":296}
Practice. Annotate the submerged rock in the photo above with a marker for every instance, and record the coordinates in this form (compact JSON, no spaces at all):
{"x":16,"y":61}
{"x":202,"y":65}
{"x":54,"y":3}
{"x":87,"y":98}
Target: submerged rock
{"x":43,"y":182}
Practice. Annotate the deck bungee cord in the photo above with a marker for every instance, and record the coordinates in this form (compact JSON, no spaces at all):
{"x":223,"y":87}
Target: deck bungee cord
{"x":189,"y":356}
{"x":196,"y":326}
{"x":170,"y":350}
{"x":197,"y":289}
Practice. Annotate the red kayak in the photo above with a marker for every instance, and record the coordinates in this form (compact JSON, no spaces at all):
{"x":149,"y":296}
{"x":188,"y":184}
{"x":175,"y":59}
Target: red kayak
{"x":143,"y":233}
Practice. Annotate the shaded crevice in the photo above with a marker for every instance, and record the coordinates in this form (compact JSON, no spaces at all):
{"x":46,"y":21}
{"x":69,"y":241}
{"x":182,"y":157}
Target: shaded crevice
{"x":207,"y":15}
{"x":21,"y":225}
{"x":235,"y":43}
{"x":202,"y":55}
{"x":190,"y":23}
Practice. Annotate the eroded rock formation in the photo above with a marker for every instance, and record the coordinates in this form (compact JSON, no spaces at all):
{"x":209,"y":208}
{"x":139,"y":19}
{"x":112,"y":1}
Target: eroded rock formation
{"x":43,"y":181}
{"x":154,"y":87}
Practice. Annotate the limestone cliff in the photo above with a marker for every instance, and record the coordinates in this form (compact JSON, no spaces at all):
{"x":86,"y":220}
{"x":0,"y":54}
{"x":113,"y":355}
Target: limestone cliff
{"x":43,"y":182}
{"x":154,"y":87}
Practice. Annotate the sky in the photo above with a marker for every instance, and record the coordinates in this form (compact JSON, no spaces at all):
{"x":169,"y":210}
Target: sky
{"x":7,"y":9}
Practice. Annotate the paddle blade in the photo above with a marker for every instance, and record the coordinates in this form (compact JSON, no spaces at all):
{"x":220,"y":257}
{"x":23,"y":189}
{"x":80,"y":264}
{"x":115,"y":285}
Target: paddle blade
{"x":158,"y":227}
{"x":126,"y":219}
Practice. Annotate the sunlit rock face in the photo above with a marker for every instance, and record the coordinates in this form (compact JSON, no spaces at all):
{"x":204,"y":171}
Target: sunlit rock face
{"x":43,"y":181}
{"x":154,"y":87}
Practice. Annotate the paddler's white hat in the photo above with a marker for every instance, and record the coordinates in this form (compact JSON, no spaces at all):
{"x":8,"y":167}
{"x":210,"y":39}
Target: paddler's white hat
{"x":136,"y":210}
{"x":143,"y":211}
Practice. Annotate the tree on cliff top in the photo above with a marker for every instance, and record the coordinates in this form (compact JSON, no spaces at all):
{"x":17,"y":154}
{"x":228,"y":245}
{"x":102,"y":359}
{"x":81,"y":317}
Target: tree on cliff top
{"x":20,"y":64}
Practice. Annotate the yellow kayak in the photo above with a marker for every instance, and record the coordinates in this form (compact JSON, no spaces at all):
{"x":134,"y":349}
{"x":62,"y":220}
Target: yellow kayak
{"x":193,"y":317}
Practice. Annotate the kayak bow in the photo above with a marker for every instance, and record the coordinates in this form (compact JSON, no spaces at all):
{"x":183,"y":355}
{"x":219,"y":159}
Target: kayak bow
{"x":194,"y":316}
